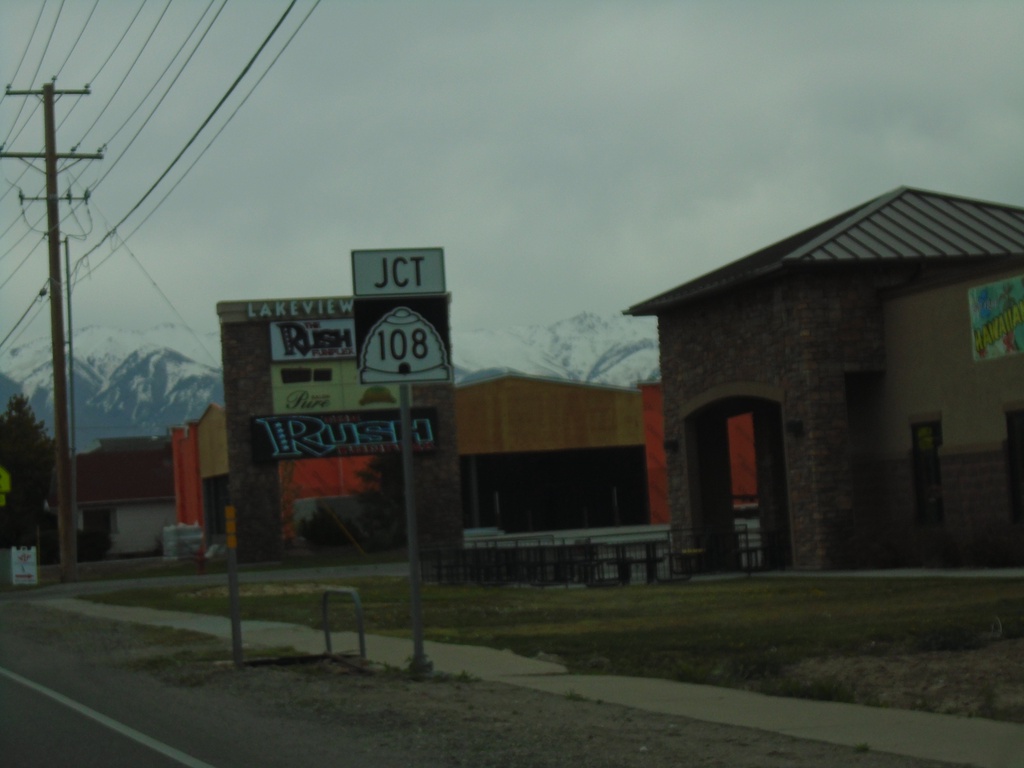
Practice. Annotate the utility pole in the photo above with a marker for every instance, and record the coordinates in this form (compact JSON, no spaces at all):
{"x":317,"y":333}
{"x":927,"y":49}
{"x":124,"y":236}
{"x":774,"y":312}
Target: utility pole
{"x":65,"y":502}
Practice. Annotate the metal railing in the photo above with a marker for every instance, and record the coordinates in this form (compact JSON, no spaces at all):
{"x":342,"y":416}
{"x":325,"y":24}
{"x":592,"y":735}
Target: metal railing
{"x":354,"y":594}
{"x":607,"y":560}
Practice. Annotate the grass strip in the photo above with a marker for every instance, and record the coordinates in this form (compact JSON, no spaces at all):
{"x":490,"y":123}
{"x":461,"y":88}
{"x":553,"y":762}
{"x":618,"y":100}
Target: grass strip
{"x":722,"y":632}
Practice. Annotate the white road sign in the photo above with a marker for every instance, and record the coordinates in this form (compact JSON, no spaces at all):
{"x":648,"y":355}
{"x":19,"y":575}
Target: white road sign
{"x":401,"y":272}
{"x":403,"y":340}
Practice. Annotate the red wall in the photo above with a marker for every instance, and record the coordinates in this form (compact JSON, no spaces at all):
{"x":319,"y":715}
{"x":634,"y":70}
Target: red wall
{"x":309,"y":478}
{"x":742,"y":459}
{"x":188,"y":489}
{"x":654,"y":437}
{"x":313,"y":478}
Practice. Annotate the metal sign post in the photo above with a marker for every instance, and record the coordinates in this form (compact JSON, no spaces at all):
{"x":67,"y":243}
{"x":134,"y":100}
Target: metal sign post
{"x":402,"y":338}
{"x":236,"y":612}
{"x":420,"y":666}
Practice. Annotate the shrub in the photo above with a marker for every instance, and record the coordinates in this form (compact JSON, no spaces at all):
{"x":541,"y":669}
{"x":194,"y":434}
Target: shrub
{"x":321,"y":529}
{"x":825,"y":689}
{"x":93,"y":545}
{"x":948,"y":639}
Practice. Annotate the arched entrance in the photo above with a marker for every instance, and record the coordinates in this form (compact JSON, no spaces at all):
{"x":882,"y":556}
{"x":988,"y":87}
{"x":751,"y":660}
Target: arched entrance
{"x":737,"y":481}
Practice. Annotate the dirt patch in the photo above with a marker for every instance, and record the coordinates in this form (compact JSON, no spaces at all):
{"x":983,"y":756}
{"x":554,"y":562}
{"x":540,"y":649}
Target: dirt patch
{"x":272,"y":589}
{"x":442,"y":722}
{"x":982,"y":682}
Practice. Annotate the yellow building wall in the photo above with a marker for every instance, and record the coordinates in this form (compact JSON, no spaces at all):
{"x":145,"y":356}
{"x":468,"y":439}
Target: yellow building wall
{"x":519,"y":415}
{"x":213,"y":443}
{"x":931,"y":372}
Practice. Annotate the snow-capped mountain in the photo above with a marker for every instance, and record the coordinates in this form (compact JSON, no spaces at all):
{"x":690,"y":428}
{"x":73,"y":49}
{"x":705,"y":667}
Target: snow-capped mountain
{"x":597,"y":349}
{"x":125,"y":382}
{"x":143,"y":382}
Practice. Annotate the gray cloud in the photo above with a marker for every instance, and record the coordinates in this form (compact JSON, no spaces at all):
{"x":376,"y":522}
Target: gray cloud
{"x":568,"y":156}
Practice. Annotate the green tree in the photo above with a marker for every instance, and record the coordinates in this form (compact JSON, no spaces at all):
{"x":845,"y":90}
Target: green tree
{"x":383,"y":520}
{"x":27,"y":452}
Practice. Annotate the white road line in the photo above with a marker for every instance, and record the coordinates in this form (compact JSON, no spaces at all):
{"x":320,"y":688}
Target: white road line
{"x":114,"y":725}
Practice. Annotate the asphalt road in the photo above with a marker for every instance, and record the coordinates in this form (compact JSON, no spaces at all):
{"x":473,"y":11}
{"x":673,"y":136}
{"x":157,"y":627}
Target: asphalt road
{"x":62,"y":704}
{"x":37,"y":730}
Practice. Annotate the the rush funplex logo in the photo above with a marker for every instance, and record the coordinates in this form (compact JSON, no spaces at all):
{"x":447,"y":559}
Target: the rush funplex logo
{"x":305,"y":339}
{"x":278,"y":438}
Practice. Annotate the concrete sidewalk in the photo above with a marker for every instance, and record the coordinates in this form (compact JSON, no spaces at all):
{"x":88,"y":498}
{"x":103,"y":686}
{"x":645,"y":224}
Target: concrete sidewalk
{"x":975,"y":741}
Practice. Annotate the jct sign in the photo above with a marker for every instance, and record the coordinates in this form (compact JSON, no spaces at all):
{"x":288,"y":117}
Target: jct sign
{"x":402,"y":272}
{"x":401,"y":339}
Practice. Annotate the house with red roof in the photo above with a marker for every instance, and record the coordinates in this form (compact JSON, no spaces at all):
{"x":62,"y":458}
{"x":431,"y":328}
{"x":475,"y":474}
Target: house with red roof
{"x":125,"y":487}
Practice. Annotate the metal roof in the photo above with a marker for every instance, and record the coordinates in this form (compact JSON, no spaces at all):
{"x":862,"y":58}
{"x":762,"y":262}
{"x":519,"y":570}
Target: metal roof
{"x":903,"y":225}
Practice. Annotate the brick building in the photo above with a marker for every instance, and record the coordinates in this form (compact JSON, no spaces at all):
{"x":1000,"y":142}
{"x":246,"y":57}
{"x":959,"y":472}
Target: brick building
{"x":313,"y":381}
{"x":880,"y":357}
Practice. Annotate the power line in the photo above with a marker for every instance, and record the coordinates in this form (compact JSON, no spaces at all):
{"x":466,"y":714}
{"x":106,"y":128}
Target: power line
{"x":77,"y":41}
{"x":124,"y":34}
{"x":37,"y":303}
{"x":49,"y":39}
{"x":226,"y":122}
{"x":110,"y":55}
{"x":167,"y":300}
{"x":167,"y":69}
{"x":199,"y":130}
{"x":28,"y":45}
{"x":138,"y":55}
{"x":112,"y":231}
{"x":152,"y":112}
{"x":123,"y":241}
{"x":120,"y":40}
{"x":35,"y":74}
{"x":24,"y":260}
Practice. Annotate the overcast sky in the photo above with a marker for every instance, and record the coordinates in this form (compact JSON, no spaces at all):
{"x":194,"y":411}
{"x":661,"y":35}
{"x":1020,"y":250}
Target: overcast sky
{"x":568,"y":156}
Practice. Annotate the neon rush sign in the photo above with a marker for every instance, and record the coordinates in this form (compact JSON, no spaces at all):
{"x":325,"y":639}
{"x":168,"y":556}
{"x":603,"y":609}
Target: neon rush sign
{"x":285,"y":437}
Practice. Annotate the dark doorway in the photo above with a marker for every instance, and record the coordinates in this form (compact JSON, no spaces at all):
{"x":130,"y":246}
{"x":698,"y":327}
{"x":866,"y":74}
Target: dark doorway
{"x":215,"y":499}
{"x":738,"y":478}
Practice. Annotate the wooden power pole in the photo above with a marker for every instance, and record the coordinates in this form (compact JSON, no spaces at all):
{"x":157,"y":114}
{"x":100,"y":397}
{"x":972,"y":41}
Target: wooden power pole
{"x":65,"y":503}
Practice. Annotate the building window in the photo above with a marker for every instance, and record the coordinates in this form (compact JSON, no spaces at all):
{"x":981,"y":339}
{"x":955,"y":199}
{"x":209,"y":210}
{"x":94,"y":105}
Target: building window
{"x":101,"y":520}
{"x":1015,"y":453}
{"x":927,"y":477}
{"x":215,"y":498}
{"x":305,"y":375}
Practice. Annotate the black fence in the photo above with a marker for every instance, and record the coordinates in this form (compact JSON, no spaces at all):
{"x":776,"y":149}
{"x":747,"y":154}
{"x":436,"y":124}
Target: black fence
{"x":605,"y":561}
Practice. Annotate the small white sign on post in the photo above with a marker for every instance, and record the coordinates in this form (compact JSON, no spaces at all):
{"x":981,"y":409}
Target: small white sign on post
{"x":24,"y":566}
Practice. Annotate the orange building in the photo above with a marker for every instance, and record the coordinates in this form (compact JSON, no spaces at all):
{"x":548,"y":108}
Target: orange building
{"x":537,"y":455}
{"x":201,"y":472}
